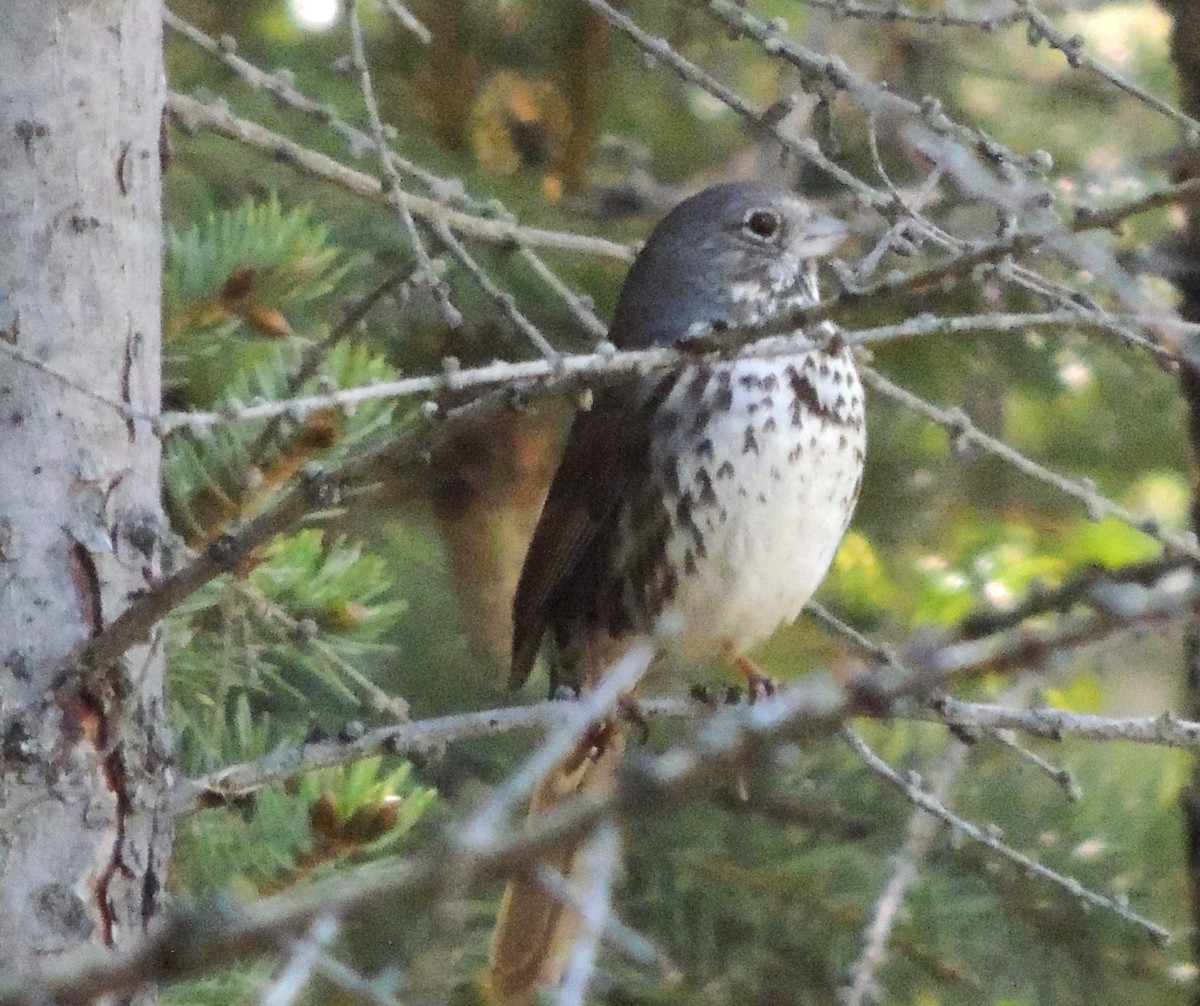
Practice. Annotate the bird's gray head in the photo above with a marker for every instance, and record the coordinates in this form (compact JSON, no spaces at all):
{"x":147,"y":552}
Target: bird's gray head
{"x":730,"y":255}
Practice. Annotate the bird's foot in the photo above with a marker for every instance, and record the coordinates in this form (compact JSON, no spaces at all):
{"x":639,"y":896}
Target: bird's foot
{"x":631,"y":711}
{"x":598,"y":739}
{"x":713,"y":696}
{"x":758,"y":685}
{"x":594,"y":744}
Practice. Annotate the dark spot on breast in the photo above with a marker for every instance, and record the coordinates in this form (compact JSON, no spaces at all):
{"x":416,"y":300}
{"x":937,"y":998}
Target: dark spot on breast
{"x":698,"y":383}
{"x":670,"y":479}
{"x":762,"y":498}
{"x":769,"y":382}
{"x":776,"y":474}
{"x":689,"y":563}
{"x":750,"y":381}
{"x":723,"y":399}
{"x":794,"y":454}
{"x":704,"y":449}
{"x":769,"y":425}
{"x":804,"y":396}
{"x":707,"y":496}
{"x":842,"y":442}
{"x":683,"y":510}
{"x":749,"y":442}
{"x":725,"y":471}
{"x":700,"y":423}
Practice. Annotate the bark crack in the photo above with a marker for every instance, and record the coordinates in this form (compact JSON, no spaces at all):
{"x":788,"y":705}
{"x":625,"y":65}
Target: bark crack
{"x":117,"y":780}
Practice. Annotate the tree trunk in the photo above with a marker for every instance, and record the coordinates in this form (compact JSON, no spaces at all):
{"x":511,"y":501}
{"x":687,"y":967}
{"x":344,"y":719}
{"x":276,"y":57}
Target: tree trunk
{"x":1185,"y":53}
{"x":83,"y":757}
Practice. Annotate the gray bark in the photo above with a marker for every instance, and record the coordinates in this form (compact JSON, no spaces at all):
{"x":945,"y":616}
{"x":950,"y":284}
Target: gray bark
{"x":83,"y":757}
{"x":1185,"y":53}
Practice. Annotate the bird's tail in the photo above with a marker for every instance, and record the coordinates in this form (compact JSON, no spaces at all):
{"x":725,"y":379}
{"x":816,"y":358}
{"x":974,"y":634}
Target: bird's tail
{"x":536,"y":931}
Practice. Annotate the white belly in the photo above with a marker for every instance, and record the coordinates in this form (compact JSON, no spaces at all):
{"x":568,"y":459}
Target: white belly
{"x":760,"y":521}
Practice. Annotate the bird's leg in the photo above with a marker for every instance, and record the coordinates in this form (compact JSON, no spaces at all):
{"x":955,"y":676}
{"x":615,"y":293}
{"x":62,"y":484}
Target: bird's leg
{"x":595,"y":743}
{"x":631,"y":711}
{"x":758,"y":684}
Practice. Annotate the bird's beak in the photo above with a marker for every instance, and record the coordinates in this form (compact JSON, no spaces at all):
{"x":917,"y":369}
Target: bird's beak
{"x":822,"y":234}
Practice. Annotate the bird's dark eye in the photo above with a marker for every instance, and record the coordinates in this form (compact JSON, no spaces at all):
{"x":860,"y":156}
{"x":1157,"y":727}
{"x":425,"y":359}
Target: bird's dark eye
{"x":762,"y":224}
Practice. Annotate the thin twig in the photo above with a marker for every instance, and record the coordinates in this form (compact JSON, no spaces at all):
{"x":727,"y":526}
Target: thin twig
{"x":965,"y":431}
{"x":504,"y":301}
{"x":194,"y":114}
{"x":409,"y":20}
{"x":918,"y":840}
{"x":392,"y":185}
{"x":919,"y":797}
{"x":806,"y":149}
{"x":618,"y":936}
{"x":491,"y":817}
{"x":1072,"y":47}
{"x":301,"y":963}
{"x":381,"y":701}
{"x":891,"y":12}
{"x":597,"y":861}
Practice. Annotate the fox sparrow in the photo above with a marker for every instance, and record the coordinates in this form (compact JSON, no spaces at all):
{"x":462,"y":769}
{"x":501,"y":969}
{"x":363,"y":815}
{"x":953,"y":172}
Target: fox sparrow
{"x":703,"y":503}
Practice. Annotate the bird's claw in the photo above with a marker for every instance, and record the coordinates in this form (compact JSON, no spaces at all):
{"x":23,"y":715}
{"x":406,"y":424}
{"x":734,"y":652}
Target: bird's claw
{"x":758,"y":685}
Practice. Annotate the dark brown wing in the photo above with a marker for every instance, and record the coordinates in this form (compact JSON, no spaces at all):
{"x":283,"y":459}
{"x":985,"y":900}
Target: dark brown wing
{"x":605,"y":450}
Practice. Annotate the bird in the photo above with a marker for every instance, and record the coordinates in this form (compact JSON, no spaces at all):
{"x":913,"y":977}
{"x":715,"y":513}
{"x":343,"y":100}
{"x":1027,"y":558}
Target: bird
{"x":701,"y":505}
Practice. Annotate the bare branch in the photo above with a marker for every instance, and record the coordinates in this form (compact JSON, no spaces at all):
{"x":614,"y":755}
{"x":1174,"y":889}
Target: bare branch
{"x":806,"y":149}
{"x":504,"y":301}
{"x":890,"y":12}
{"x":963,"y":429}
{"x":608,"y":361}
{"x":922,"y":829}
{"x":194,"y":114}
{"x":303,"y":961}
{"x":581,"y":716}
{"x":620,"y":937}
{"x":448,"y":192}
{"x":818,"y":70}
{"x":269,"y":611}
{"x":409,"y":20}
{"x":929,"y":803}
{"x":235,"y":782}
{"x":598,"y":859}
{"x":1072,"y":47}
